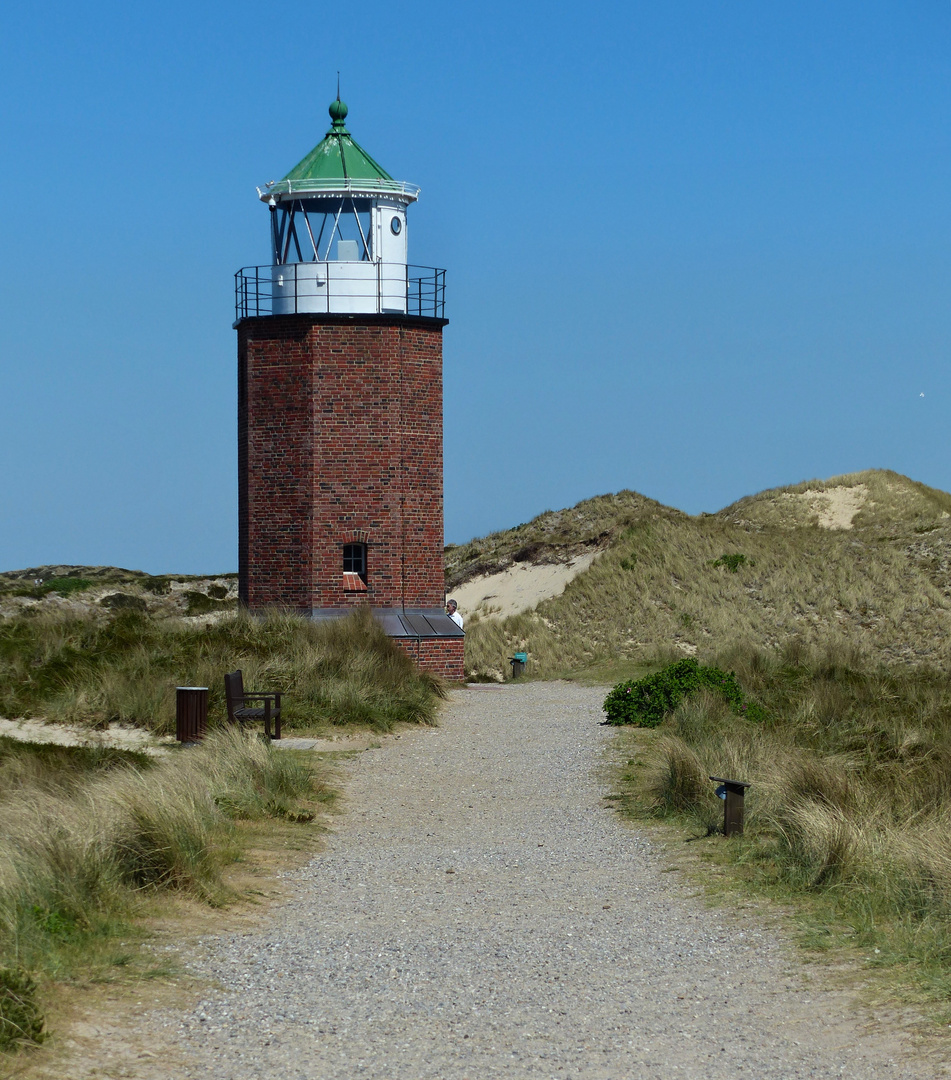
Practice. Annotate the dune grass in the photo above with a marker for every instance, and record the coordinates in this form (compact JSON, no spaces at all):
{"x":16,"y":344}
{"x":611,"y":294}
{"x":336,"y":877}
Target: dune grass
{"x":678,"y":586}
{"x":551,"y":536}
{"x":86,"y":846}
{"x":849,"y":811}
{"x":125,"y":667}
{"x":889,"y":502}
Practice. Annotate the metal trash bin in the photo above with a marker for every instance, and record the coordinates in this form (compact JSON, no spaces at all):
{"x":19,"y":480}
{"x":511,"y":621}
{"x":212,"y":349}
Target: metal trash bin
{"x":518,"y":662}
{"x":191,"y":713}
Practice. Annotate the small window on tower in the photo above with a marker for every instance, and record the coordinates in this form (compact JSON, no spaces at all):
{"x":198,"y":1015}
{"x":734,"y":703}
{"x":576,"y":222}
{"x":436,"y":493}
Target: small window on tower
{"x":355,"y":560}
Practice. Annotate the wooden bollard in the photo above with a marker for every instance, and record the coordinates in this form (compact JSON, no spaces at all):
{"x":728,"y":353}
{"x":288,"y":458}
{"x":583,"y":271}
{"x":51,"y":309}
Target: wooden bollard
{"x":732,"y":792}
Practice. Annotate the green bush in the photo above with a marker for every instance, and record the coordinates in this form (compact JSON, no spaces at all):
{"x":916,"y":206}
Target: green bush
{"x":733,"y":562}
{"x":64,"y":586}
{"x":198,"y":603}
{"x":20,"y":1018}
{"x":646,"y":702}
{"x":160,"y":586}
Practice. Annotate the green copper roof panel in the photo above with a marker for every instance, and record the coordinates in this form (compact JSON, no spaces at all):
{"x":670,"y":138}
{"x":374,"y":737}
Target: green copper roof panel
{"x":338,"y":157}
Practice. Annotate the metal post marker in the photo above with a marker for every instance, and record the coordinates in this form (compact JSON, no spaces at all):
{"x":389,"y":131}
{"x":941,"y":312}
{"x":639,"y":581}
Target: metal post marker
{"x":732,"y":792}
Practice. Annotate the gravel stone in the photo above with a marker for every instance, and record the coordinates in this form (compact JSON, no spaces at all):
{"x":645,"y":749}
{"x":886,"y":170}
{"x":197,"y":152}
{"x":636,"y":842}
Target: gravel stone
{"x":480,"y":913}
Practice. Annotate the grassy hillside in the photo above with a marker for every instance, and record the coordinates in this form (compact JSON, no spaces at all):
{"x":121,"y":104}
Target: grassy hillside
{"x":103,"y":590}
{"x":554,"y":536}
{"x":862,"y":561}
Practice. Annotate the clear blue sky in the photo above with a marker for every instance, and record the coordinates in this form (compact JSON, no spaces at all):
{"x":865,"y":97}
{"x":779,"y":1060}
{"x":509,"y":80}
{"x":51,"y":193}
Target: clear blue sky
{"x":696,"y":248}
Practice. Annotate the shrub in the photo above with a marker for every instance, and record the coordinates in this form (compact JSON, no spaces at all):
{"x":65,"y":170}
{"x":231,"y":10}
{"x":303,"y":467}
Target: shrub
{"x":123,"y":601}
{"x":198,"y":603}
{"x":64,"y":586}
{"x":20,"y":1018}
{"x":733,"y":562}
{"x":157,"y":585}
{"x":646,"y":702}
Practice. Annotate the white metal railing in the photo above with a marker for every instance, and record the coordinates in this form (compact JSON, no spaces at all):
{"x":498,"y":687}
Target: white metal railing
{"x":340,"y":288}
{"x":301,"y":187}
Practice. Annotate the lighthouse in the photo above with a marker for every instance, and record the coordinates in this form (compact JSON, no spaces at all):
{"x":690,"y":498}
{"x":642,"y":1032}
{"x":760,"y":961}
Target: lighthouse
{"x":340,"y":426}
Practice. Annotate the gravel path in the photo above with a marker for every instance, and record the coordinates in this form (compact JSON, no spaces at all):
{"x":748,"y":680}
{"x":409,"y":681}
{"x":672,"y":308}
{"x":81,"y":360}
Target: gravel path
{"x":480,"y":914}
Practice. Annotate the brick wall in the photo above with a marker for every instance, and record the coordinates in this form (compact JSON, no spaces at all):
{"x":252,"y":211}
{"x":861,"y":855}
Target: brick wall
{"x":340,"y":441}
{"x":442,"y":656}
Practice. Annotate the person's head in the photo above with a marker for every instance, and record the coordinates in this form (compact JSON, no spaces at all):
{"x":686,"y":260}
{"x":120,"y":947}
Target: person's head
{"x":451,"y":606}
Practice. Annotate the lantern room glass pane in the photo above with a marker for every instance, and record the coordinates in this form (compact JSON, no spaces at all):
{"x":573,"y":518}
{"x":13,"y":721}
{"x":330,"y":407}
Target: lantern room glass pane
{"x":308,"y":230}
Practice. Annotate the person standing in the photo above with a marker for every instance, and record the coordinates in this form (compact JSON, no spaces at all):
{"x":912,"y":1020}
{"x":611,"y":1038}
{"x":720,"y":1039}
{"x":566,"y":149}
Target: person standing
{"x":452,"y":610}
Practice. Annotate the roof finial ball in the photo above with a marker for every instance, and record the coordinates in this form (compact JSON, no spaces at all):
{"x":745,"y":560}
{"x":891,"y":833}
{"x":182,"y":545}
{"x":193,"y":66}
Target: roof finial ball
{"x":338,"y":113}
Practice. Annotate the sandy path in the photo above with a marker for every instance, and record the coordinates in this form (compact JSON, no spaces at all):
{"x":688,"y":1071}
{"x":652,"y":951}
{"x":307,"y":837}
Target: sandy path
{"x":480,"y":914}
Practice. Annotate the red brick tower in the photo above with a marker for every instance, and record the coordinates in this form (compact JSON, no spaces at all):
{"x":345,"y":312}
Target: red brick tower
{"x":340,"y":407}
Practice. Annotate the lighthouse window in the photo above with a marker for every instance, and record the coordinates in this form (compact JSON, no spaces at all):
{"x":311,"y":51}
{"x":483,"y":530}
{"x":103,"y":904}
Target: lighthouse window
{"x":355,"y":560}
{"x":308,"y":230}
{"x":395,"y":226}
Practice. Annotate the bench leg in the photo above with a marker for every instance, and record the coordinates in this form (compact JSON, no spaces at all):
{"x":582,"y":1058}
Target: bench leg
{"x":267,"y":719}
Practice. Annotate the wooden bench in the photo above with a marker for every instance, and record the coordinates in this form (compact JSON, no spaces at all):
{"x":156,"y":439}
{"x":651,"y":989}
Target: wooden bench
{"x":239,"y":711}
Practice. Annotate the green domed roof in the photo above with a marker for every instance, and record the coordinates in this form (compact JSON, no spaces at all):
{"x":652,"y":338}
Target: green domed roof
{"x":338,"y":156}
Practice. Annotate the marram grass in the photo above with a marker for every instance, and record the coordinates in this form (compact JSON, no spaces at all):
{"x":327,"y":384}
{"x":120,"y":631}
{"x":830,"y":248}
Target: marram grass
{"x":850,"y":805}
{"x":77,"y":858}
{"x":126,"y":667}
{"x":756,"y":575}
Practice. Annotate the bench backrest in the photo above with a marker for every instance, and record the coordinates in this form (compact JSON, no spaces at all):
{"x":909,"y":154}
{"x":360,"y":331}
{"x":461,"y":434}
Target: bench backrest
{"x":234,"y":692}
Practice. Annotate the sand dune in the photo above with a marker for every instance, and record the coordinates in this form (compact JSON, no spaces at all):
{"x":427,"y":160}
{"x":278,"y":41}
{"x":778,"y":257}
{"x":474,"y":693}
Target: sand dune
{"x":519,"y":588}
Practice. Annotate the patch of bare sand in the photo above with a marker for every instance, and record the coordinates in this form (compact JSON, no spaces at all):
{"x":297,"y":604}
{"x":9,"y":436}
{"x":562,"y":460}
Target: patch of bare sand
{"x":835,"y":507}
{"x":115,"y":735}
{"x":120,"y":737}
{"x":519,"y":588}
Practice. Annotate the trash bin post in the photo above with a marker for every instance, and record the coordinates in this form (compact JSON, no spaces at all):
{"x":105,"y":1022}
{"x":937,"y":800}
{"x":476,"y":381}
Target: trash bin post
{"x":518,"y":662}
{"x":191,"y":713}
{"x":732,"y":792}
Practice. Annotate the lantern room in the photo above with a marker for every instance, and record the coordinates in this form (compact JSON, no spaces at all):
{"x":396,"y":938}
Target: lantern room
{"x":339,"y":238}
